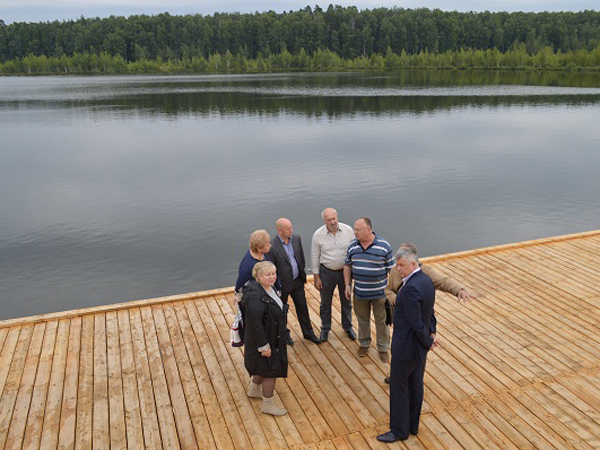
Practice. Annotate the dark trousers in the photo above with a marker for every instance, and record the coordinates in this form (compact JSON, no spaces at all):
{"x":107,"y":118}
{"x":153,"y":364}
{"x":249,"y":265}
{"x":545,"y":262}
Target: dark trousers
{"x":330,"y":280}
{"x":299,"y":298}
{"x":406,"y":396}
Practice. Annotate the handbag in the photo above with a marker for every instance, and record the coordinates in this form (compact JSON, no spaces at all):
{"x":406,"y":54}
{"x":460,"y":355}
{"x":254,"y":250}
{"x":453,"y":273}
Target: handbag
{"x":389,"y":313}
{"x":237,"y":330}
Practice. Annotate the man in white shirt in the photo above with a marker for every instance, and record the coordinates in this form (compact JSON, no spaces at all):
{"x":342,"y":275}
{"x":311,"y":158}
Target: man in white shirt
{"x":328,"y":253}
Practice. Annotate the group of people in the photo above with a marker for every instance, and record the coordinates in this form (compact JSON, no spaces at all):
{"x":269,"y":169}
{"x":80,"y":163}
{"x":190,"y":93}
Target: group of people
{"x":367,"y":274}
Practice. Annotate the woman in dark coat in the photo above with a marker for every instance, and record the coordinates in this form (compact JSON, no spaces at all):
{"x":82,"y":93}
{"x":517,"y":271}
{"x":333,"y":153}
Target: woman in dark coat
{"x":265,"y":351}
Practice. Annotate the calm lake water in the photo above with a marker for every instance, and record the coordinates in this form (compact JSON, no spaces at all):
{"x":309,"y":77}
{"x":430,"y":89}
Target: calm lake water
{"x":123,"y":188}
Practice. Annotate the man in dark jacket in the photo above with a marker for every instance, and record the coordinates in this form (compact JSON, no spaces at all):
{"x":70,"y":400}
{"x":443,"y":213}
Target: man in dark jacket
{"x":411,"y":341}
{"x":288,"y":256}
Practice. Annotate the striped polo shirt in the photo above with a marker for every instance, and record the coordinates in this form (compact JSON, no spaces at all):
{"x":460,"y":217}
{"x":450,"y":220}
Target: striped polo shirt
{"x":370,"y":267}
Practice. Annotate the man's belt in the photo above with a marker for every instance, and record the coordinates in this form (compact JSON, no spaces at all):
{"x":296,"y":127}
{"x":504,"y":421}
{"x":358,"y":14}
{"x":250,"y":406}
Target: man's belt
{"x":332,"y":270}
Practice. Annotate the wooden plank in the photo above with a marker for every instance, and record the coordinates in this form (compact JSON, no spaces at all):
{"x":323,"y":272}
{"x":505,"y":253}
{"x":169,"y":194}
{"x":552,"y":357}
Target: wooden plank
{"x":587,"y":413}
{"x":525,"y":314}
{"x":508,"y":431}
{"x":31,"y":320}
{"x":311,"y":424}
{"x":190,"y":387}
{"x":555,"y":307}
{"x":18,"y":392}
{"x":540,"y":362}
{"x":548,"y":414}
{"x":183,"y":421}
{"x":480,"y":431}
{"x":458,"y":341}
{"x":533,"y":429}
{"x":431,"y":423}
{"x":85,"y":392}
{"x":462,"y":435}
{"x":69,"y":403}
{"x":341,"y":443}
{"x":366,"y":407}
{"x":218,"y":428}
{"x":235,"y":426}
{"x":34,"y":419}
{"x":100,"y":419}
{"x":116,"y":401}
{"x":303,"y":430}
{"x":49,"y":438}
{"x":145,"y":387}
{"x":55,"y":390}
{"x":286,"y":425}
{"x":3,"y":335}
{"x":357,"y":441}
{"x":507,"y":247}
{"x":570,"y":416}
{"x":550,"y":265}
{"x":164,"y":407}
{"x":586,"y":387}
{"x":364,"y":376}
{"x":131,"y":399}
{"x":426,"y":437}
{"x":283,"y":429}
{"x":487,"y":337}
{"x":252,"y":418}
{"x":6,"y":357}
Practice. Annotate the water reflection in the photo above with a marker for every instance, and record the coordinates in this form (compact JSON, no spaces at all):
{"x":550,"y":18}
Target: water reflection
{"x":124,"y":188}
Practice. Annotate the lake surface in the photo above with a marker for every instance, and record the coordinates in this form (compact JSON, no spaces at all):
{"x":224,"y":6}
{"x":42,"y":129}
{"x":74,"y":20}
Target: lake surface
{"x":123,"y":188}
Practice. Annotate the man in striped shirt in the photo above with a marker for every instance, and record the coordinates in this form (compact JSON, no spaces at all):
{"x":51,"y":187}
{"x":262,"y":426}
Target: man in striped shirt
{"x":368,"y":261}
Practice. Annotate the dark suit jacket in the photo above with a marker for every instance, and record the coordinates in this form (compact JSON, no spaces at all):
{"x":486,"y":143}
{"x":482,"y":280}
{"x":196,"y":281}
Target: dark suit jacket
{"x":412,"y":319}
{"x":279,"y":257}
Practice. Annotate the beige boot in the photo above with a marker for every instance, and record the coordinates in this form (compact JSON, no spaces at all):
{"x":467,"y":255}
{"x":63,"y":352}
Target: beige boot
{"x":255,"y":390}
{"x":269,"y":407}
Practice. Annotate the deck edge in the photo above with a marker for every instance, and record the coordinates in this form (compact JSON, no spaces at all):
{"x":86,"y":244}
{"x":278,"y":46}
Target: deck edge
{"x":228,"y":290}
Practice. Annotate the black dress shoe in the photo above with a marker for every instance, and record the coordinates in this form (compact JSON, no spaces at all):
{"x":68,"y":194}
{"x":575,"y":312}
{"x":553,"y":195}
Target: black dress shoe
{"x":324,"y":336}
{"x":351,"y":334}
{"x":389,"y":437}
{"x":414,"y":432}
{"x":312,"y":338}
{"x":386,"y":380}
{"x":289,"y":340}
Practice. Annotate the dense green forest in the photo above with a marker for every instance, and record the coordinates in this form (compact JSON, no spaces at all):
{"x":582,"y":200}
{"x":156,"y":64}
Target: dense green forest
{"x":310,"y":39}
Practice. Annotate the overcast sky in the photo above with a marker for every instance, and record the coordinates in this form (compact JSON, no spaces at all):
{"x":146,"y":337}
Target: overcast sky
{"x":49,"y":10}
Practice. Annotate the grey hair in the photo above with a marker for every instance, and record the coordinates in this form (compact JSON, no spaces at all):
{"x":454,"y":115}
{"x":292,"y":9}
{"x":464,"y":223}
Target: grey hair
{"x":323,"y":212}
{"x":410,"y":246}
{"x":407,"y":254}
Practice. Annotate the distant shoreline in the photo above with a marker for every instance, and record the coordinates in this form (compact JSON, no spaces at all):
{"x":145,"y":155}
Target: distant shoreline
{"x":336,"y":38}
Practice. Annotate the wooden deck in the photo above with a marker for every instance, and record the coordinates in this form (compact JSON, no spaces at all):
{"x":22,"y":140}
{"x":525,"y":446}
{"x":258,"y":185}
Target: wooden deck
{"x":518,"y":369}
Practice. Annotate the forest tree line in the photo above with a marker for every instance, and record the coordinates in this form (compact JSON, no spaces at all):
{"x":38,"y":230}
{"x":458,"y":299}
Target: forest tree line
{"x":313,"y":39}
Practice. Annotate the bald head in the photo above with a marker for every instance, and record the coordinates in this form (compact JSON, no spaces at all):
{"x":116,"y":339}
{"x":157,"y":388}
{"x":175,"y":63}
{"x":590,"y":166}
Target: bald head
{"x":330,"y":217}
{"x":284,"y":228}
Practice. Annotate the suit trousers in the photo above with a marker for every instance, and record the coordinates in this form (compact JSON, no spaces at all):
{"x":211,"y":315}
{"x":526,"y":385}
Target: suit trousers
{"x":299,"y":298}
{"x":406,"y":396}
{"x":362,"y":309}
{"x":330,"y":280}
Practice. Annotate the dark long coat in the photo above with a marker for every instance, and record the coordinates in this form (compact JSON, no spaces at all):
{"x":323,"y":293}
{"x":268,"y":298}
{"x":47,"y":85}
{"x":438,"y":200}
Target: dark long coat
{"x":265,"y":322}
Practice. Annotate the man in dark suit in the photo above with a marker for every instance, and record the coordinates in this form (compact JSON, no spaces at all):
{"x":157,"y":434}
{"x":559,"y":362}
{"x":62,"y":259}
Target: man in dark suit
{"x":411,"y":341}
{"x":288,"y":256}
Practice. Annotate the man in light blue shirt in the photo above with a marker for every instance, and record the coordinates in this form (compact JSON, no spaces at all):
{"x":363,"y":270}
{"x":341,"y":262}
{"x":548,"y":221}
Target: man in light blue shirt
{"x":288,"y":256}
